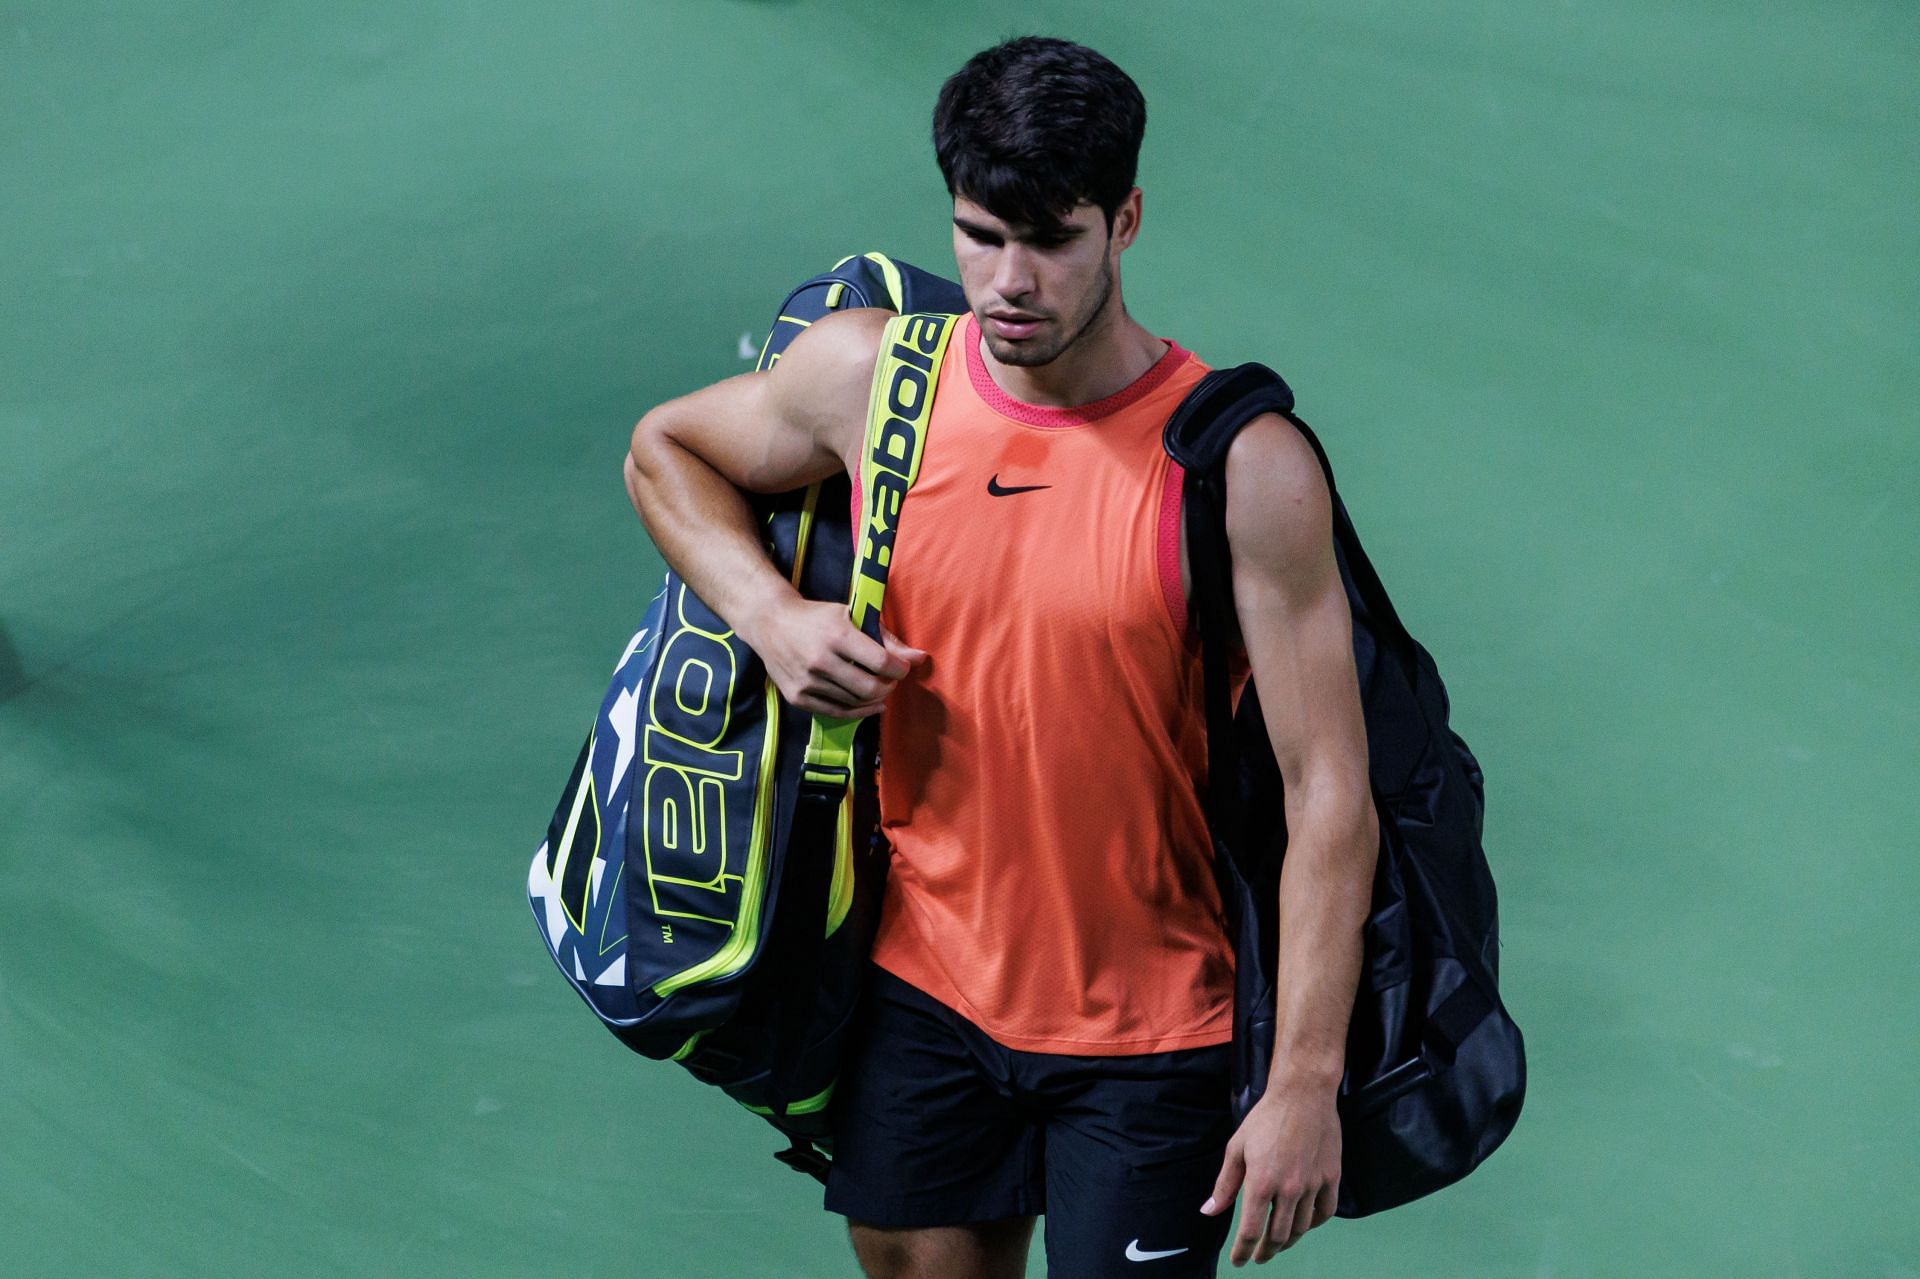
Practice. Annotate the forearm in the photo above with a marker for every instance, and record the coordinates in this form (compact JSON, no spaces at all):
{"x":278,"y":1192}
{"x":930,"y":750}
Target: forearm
{"x":1326,"y":890}
{"x":706,"y":530}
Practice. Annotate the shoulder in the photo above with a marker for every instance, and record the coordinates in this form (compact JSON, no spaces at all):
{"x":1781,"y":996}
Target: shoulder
{"x":1279,"y":510}
{"x":823,"y":377}
{"x":840,"y":345}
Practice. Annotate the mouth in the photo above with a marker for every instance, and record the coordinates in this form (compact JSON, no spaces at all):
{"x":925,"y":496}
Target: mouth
{"x":1013,"y":325}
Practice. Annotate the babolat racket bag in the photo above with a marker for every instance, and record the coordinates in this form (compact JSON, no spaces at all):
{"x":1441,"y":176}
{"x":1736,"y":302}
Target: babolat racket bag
{"x":1435,"y":1068}
{"x":710,"y":880}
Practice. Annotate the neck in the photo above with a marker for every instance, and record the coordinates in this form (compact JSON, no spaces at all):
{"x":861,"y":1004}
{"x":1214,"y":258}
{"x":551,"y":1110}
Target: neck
{"x":1109,"y":356}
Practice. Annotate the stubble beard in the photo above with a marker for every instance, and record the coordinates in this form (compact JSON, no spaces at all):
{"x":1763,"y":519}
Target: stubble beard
{"x":1028,"y":356}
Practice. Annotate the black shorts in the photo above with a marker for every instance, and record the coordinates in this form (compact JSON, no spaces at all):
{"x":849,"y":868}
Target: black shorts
{"x":938,"y":1125}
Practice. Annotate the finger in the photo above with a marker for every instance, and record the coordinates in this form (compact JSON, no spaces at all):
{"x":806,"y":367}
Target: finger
{"x":823,"y":696}
{"x":858,"y":684}
{"x":833,"y":710}
{"x":906,"y":650}
{"x":1279,"y":1226}
{"x":1227,"y":1184}
{"x":1326,"y":1203}
{"x":1251,"y":1236}
{"x":840,"y":680}
{"x":861,"y":652}
{"x":1301,"y":1223}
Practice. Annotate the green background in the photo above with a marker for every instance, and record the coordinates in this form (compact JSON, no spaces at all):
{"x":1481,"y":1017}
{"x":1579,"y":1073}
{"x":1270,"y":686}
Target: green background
{"x":323,"y":330}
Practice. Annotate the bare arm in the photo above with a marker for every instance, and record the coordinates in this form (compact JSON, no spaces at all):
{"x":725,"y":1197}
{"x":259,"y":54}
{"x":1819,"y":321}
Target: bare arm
{"x":1297,"y":626}
{"x":1298,"y":630}
{"x":767,"y":432}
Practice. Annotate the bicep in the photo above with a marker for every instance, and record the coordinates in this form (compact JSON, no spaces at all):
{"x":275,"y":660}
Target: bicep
{"x":1292,"y":606}
{"x":737,"y":427}
{"x":777,"y":429}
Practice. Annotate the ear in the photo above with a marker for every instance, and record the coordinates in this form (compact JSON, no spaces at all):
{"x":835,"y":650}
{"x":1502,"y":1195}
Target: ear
{"x":1126,"y":221}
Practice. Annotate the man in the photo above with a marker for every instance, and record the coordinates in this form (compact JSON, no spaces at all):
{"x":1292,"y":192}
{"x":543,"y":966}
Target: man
{"x":1048,"y":1023}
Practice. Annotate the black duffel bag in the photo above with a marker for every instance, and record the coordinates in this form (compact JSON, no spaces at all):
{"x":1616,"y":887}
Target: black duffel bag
{"x":1435,"y":1068}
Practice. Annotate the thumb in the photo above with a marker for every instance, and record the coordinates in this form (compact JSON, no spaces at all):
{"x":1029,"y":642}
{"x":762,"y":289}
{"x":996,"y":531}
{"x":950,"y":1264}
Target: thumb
{"x":906,"y":650}
{"x":1227,"y":1184}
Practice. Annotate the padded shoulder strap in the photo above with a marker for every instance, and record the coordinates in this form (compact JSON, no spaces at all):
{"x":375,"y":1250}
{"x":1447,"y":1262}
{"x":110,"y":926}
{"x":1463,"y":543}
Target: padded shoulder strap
{"x":1198,"y":433}
{"x":1197,"y":436}
{"x":898,"y":409}
{"x":1221,"y":403}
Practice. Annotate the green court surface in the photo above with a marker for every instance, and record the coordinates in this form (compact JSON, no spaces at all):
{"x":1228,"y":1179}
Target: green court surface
{"x":323,"y":330}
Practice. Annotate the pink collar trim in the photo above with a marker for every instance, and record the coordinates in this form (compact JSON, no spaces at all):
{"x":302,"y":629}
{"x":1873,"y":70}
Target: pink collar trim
{"x":1077,"y":415}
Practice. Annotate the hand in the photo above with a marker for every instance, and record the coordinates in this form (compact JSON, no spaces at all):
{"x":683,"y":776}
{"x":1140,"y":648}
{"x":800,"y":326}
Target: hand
{"x":1287,"y":1151}
{"x":824,"y":664}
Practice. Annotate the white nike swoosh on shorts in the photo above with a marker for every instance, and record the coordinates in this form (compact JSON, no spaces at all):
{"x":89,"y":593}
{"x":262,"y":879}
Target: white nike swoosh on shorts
{"x":1134,"y":1253}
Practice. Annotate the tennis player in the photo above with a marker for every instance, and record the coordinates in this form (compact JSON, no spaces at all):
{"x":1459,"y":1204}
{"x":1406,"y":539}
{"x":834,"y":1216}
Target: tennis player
{"x":1047,"y":1029}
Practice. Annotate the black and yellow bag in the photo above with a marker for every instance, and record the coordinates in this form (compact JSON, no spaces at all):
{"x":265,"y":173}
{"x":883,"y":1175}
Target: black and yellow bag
{"x":709,"y":882}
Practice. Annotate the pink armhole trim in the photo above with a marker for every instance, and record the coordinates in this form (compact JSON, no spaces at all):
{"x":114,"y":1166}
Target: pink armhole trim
{"x":1168,"y":548}
{"x":1080,"y":414}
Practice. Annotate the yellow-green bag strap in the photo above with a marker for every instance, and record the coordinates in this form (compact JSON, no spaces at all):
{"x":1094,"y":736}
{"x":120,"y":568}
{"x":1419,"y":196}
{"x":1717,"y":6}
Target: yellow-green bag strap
{"x":898,"y":410}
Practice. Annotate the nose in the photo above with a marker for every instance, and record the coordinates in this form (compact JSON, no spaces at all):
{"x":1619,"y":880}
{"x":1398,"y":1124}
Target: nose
{"x":1013,"y":272}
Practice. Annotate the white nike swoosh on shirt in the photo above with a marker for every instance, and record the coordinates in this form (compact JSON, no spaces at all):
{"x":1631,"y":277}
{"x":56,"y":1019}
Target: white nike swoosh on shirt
{"x":1134,"y":1253}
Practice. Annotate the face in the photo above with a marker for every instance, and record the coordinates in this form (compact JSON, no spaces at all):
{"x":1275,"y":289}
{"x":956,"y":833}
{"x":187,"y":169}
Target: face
{"x":1034,"y":296}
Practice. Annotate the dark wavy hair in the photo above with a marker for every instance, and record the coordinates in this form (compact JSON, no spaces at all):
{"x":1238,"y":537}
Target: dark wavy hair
{"x":1032,"y":127}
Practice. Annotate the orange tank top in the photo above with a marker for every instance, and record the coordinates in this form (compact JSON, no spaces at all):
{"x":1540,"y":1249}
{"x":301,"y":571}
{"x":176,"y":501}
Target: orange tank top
{"x":1040,"y":773}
